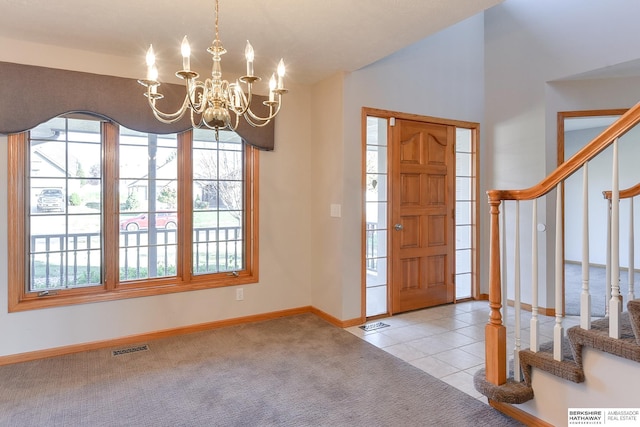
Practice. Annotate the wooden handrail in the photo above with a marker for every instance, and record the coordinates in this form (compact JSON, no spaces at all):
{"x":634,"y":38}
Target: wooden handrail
{"x":624,"y":194}
{"x":566,"y":169}
{"x":495,"y":331}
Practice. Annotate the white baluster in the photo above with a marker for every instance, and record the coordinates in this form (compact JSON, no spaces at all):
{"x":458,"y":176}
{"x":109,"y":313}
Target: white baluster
{"x":607,"y":273}
{"x":585,"y":297}
{"x":533,"y":323}
{"x":558,"y":330}
{"x":505,"y":292}
{"x":516,"y":300}
{"x":615,"y":305}
{"x":503,"y":248}
{"x":631,"y":277}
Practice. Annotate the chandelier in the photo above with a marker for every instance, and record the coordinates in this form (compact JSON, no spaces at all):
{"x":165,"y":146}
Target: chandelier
{"x":211,"y":102}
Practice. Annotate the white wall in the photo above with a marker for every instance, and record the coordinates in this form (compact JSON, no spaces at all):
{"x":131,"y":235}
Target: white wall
{"x":24,"y":52}
{"x":441,"y":76}
{"x":326,"y":188}
{"x":529,"y":47}
{"x":285,"y":262}
{"x":610,"y":382}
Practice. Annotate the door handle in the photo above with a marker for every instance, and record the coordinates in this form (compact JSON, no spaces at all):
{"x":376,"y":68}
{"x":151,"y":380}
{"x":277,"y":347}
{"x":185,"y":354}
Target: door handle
{"x":398,"y":227}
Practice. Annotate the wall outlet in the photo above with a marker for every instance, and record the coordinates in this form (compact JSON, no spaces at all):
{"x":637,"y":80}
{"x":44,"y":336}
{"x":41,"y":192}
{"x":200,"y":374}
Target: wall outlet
{"x":239,"y":294}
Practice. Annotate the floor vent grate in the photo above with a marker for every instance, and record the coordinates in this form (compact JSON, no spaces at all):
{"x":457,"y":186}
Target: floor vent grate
{"x":130,"y":350}
{"x":373,"y":326}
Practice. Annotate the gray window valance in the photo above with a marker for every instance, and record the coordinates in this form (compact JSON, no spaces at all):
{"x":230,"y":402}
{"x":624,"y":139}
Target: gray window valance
{"x":30,"y":95}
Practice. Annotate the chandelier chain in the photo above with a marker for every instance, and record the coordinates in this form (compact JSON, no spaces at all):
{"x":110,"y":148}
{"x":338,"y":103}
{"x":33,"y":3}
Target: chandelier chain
{"x":216,"y":20}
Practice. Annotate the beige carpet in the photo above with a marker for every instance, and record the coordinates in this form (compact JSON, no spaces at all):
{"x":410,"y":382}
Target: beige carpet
{"x":294,"y":371}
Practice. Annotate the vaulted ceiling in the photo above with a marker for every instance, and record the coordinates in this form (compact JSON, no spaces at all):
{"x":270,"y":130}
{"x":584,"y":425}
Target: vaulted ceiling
{"x":315,"y":37}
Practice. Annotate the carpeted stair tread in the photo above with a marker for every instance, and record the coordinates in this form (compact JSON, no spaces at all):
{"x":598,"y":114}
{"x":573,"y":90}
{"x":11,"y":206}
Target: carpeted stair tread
{"x":567,"y":368}
{"x":633,"y":307}
{"x":511,"y":392}
{"x":598,"y":338}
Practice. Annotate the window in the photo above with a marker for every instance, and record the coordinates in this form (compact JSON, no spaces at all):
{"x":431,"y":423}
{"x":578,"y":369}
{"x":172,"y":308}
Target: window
{"x":148,"y":218}
{"x":466,"y":205}
{"x":376,"y":208}
{"x":217,"y":177}
{"x":100,"y":212}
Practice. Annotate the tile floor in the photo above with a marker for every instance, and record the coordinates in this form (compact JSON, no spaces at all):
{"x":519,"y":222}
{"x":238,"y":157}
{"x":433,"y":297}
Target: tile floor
{"x":447,"y":341}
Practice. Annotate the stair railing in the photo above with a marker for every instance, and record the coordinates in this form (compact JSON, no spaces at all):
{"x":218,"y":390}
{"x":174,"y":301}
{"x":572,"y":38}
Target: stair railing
{"x":496,"y":361}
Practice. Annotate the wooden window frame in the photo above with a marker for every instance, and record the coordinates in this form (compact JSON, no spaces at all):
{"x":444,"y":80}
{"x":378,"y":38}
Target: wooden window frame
{"x":111,"y":289}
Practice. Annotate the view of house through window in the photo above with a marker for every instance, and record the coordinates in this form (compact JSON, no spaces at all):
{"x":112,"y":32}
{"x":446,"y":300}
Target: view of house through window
{"x":70,"y":180}
{"x":148,"y":185}
{"x":218,"y":202}
{"x":65,"y":220}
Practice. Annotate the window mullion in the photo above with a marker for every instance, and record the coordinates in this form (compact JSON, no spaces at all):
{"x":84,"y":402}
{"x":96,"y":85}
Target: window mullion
{"x":110,"y":205}
{"x":185,"y":206}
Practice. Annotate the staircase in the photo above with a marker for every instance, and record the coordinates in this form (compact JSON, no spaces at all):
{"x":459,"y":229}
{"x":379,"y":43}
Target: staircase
{"x":571,"y":366}
{"x":508,"y":380}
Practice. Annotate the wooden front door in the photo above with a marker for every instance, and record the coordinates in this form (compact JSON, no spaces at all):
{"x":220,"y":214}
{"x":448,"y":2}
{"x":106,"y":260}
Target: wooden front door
{"x":422,"y":215}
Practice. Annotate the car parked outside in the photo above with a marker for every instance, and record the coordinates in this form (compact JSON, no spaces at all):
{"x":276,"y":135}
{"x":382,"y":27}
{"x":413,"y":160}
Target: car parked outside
{"x":50,"y":199}
{"x":168,"y":220}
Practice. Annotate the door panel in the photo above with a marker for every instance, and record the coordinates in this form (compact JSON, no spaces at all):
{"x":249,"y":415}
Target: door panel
{"x":422,"y":206}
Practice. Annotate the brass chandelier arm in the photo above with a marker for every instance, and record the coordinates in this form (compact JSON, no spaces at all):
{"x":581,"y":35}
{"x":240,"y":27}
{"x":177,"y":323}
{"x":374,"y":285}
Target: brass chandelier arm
{"x":193,"y":121}
{"x":244,"y":100}
{"x":254,"y":124}
{"x":267,"y":119}
{"x":196,"y":92}
{"x":166,"y":117}
{"x":235,"y":125}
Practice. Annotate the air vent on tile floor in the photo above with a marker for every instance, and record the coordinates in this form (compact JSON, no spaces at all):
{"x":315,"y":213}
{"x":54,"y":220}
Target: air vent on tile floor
{"x":130,"y":350}
{"x":373,"y":326}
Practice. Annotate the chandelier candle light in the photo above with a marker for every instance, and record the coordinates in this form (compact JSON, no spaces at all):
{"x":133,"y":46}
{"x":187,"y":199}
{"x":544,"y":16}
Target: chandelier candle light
{"x":214,"y":99}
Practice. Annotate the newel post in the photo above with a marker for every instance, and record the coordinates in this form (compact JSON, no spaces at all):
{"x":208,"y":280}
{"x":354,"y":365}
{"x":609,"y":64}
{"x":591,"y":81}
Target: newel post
{"x":495,"y":332}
